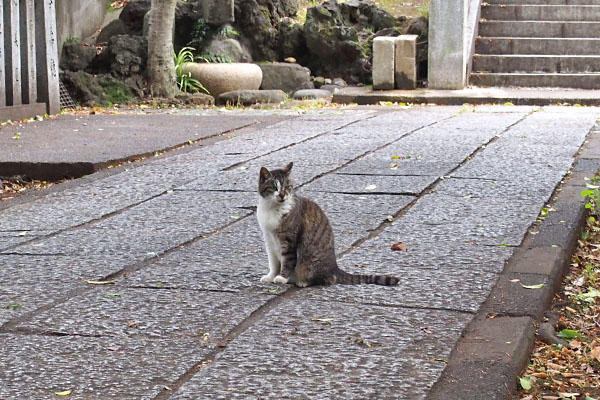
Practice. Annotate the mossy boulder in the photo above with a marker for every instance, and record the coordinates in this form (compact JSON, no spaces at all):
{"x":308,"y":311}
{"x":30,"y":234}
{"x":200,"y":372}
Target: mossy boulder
{"x":96,"y":90}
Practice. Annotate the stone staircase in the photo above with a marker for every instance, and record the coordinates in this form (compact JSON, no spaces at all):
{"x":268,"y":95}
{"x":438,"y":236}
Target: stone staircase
{"x":538,"y":43}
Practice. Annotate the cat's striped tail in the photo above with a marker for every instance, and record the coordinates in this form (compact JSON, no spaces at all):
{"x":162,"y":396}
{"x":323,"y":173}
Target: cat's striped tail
{"x":346,"y":278}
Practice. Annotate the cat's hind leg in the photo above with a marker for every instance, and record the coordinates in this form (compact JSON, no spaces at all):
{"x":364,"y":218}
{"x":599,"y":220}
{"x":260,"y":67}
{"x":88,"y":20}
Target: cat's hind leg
{"x":288,"y":264}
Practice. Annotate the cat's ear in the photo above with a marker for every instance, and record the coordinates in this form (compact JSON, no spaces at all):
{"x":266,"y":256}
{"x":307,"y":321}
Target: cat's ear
{"x":288,"y":168}
{"x":264,"y":174}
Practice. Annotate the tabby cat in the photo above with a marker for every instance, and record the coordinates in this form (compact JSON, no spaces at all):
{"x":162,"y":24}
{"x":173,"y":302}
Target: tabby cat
{"x":299,"y":238}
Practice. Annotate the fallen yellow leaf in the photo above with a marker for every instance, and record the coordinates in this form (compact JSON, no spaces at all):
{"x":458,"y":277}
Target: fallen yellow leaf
{"x":65,"y":393}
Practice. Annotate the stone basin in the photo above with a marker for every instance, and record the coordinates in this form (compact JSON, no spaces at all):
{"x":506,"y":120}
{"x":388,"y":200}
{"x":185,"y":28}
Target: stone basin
{"x":225,"y":77}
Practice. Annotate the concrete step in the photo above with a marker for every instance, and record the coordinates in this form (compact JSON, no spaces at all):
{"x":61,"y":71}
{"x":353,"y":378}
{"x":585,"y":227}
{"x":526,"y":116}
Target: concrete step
{"x":494,"y":12}
{"x":555,"y":29}
{"x":579,"y":81}
{"x":545,"y":2}
{"x":537,"y":46}
{"x":536,"y":63}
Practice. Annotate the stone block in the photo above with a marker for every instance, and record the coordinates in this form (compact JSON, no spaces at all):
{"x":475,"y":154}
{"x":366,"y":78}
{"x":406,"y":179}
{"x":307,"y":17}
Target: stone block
{"x":406,"y":46}
{"x":383,"y":63}
{"x":405,"y":62}
{"x":218,"y":11}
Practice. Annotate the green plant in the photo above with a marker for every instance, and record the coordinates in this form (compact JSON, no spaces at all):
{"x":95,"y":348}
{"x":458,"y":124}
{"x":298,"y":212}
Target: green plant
{"x":227,"y":32}
{"x":185,"y":82}
{"x":423,"y":10}
{"x":590,"y":272}
{"x":72,"y":39}
{"x":199,"y":34}
{"x":593,"y":201}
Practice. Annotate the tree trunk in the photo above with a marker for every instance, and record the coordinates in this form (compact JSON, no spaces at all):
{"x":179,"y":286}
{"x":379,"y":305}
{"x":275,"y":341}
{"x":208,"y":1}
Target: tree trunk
{"x":161,"y":67}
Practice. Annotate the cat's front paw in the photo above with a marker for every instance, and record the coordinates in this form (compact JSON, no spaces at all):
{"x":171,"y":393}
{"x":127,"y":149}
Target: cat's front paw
{"x":267,"y":279}
{"x":280,"y":279}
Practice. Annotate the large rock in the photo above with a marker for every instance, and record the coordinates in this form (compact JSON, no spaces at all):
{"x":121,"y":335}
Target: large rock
{"x":285,"y":76}
{"x":291,"y":40}
{"x":126,"y":55}
{"x":230,"y":48}
{"x":248,"y":97}
{"x":339,"y":37}
{"x":133,"y":15}
{"x":220,"y":78}
{"x":186,"y":15}
{"x":76,"y":56}
{"x":114,"y":28}
{"x":257,"y":21}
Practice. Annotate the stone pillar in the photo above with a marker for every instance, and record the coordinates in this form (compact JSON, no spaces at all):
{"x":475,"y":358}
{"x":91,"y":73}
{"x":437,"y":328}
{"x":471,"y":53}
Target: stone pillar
{"x":218,"y":12}
{"x":447,"y":50}
{"x":383,"y":62}
{"x":406,"y":62}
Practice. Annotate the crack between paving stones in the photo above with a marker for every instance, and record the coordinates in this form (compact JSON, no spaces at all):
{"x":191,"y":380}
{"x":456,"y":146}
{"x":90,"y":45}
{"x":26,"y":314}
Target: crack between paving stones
{"x":167,"y":287}
{"x":37,"y":332}
{"x":401,"y":306}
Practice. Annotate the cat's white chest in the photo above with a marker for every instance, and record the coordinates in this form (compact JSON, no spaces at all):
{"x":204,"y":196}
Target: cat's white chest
{"x":270,"y":215}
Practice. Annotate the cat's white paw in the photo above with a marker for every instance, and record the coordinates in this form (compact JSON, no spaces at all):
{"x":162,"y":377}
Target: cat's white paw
{"x":280,"y":279}
{"x":266,"y":279}
{"x":302,"y":284}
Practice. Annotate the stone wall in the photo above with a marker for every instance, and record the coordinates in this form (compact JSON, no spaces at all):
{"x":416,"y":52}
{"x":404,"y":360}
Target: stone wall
{"x":78,"y":18}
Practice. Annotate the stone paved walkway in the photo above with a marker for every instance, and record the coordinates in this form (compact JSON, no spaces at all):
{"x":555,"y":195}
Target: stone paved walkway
{"x":188,"y":317}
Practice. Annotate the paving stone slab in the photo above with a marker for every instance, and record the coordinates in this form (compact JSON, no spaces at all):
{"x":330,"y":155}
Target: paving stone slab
{"x":425,"y":253}
{"x":481,"y":221}
{"x":234,"y":259}
{"x":368,"y":185}
{"x":466,"y":121}
{"x":383,"y":164}
{"x":342,"y":352}
{"x":13,"y":238}
{"x":513,"y":169}
{"x":163,"y":223}
{"x":32,"y":281}
{"x":202,"y":316}
{"x":83,"y":203}
{"x":531,"y":153}
{"x":17,"y":300}
{"x":36,"y":367}
{"x":494,"y":189}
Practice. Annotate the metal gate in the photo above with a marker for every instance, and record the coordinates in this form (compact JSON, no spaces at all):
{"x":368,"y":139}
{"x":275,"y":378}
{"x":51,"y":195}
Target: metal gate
{"x":29,"y":83}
